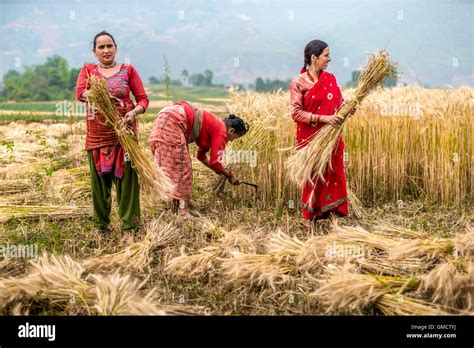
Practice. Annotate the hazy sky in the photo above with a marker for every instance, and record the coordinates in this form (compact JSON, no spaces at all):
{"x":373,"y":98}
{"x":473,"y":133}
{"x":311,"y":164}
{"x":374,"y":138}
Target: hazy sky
{"x":431,"y":40}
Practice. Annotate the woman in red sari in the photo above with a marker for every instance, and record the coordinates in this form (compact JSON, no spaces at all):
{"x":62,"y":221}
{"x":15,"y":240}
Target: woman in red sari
{"x":315,"y":99}
{"x":180,"y":124}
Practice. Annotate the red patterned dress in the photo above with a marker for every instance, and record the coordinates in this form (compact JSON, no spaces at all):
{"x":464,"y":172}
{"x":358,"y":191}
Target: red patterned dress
{"x":175,"y":127}
{"x":107,"y":161}
{"x":101,"y":139}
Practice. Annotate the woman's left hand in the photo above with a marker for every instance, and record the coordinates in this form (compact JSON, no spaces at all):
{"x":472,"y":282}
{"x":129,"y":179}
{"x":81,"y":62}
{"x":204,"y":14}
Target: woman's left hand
{"x":234,"y":181}
{"x":130,"y":117}
{"x":352,"y":110}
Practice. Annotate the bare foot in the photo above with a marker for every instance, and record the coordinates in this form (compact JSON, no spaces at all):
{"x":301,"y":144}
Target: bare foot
{"x":185,"y":215}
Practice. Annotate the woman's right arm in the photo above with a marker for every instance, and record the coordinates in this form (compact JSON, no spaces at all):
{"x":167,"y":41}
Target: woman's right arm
{"x":81,"y":84}
{"x":298,"y":114}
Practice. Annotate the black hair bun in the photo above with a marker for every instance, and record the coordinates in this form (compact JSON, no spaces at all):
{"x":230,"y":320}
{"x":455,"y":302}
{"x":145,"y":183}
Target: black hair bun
{"x":232,"y":116}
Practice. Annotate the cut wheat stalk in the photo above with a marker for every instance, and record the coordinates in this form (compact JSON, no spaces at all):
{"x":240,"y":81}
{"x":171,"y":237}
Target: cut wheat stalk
{"x":451,"y":284}
{"x":208,"y":259}
{"x":315,"y":158}
{"x":57,"y":280}
{"x":138,"y":255}
{"x":355,"y":204}
{"x":428,"y":250}
{"x":258,"y":269}
{"x":8,"y":212}
{"x":9,"y":187}
{"x":194,"y":265}
{"x":119,"y":295}
{"x":394,"y":231}
{"x":343,"y":291}
{"x":60,"y":283}
{"x":152,"y":179}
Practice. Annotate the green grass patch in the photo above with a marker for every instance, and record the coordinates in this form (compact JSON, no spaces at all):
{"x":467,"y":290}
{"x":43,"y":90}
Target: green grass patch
{"x":188,"y":93}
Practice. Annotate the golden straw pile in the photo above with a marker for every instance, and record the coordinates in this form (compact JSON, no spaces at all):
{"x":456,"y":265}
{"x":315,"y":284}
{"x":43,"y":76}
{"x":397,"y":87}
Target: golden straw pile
{"x":316,"y":156}
{"x":388,"y":270}
{"x":152,"y":179}
{"x":101,"y":285}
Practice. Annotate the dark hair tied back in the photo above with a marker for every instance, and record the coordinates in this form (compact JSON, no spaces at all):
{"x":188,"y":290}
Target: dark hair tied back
{"x":315,"y":47}
{"x":233,"y":121}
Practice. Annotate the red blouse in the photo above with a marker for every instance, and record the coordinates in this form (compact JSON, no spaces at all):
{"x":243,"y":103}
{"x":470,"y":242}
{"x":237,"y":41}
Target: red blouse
{"x":123,"y":82}
{"x":298,"y":88}
{"x":213,"y":137}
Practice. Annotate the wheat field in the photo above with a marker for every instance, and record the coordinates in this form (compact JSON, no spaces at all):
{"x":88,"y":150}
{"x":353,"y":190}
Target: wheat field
{"x":408,"y":156}
{"x":402,"y":144}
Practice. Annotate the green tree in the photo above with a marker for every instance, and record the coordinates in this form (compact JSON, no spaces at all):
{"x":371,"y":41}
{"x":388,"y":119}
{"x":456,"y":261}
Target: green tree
{"x":153,"y":80}
{"x":166,"y":77}
{"x":259,"y":85}
{"x":49,"y":81}
{"x":197,"y":80}
{"x":208,"y":75}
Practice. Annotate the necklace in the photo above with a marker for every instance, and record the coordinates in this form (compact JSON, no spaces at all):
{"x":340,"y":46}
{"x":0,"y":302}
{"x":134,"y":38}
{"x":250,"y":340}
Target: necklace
{"x":108,"y":67}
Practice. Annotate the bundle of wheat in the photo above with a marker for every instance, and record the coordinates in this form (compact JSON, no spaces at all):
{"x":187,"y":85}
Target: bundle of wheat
{"x":464,"y":243}
{"x":31,"y":197}
{"x":308,"y":256}
{"x":394,"y":231}
{"x":236,"y":241}
{"x":428,"y":250}
{"x":358,"y":235}
{"x":11,"y":266}
{"x":404,"y":305}
{"x":56,"y":280}
{"x":60,"y":283}
{"x":119,"y":295}
{"x":71,"y":183}
{"x":451,"y":284}
{"x":153,"y":181}
{"x":258,"y":269}
{"x":194,"y":265}
{"x":344,"y":291}
{"x":15,"y":171}
{"x":383,"y":266}
{"x":138,"y":255}
{"x":208,"y":259}
{"x":8,"y":187}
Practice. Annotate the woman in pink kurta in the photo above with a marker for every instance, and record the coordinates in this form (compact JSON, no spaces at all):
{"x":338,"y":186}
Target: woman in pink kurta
{"x":107,"y":160}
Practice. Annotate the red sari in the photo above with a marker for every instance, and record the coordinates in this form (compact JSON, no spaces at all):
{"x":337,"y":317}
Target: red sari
{"x":322,"y":98}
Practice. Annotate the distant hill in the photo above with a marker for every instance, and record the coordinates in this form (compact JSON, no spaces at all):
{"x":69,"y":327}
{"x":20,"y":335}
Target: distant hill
{"x":241,"y":40}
